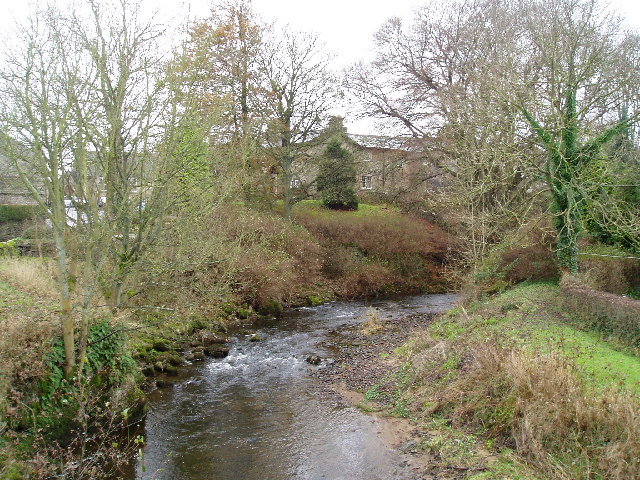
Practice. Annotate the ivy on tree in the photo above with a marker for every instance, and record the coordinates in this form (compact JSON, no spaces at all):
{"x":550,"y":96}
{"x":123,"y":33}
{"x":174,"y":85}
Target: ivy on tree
{"x":337,"y":177}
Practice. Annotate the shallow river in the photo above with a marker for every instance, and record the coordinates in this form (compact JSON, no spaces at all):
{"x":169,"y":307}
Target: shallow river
{"x":259,"y":415}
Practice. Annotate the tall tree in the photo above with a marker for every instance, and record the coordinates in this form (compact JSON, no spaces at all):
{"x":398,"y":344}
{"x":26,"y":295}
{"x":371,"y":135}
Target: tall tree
{"x":508,"y":97}
{"x":219,"y":68}
{"x":37,"y":114}
{"x":82,"y":105}
{"x":221,"y":57}
{"x":580,"y":68}
{"x":300,"y":90}
{"x":124,"y":121}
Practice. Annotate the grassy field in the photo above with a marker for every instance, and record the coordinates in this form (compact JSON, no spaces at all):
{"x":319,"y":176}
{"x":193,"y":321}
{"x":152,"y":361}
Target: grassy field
{"x":510,"y":387}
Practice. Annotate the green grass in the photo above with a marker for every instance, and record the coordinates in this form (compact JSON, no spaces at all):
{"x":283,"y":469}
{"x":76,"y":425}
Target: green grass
{"x":528,"y":317}
{"x":315,"y":208}
{"x":539,"y":371}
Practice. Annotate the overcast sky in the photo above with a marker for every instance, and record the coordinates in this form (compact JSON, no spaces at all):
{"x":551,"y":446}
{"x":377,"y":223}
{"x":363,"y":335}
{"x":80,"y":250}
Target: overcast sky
{"x":346,"y":26}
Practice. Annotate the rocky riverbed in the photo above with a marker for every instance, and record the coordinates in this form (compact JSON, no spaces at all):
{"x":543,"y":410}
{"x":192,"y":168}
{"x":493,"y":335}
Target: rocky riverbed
{"x":280,"y":403}
{"x":367,"y":360}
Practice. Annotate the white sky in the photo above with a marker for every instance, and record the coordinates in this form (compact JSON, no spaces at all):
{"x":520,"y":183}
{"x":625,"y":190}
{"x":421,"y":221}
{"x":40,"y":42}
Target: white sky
{"x":346,"y":26}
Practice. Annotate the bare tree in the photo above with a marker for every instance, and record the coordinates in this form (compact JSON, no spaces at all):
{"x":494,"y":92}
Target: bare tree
{"x":82,"y":104}
{"x":300,"y":90}
{"x":38,"y":116}
{"x":443,"y":79}
{"x":124,"y":123}
{"x":509,"y":99}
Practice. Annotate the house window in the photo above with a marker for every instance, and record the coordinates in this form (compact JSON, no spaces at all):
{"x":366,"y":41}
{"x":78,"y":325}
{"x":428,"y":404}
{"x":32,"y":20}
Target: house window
{"x":295,"y":183}
{"x":365,"y":182}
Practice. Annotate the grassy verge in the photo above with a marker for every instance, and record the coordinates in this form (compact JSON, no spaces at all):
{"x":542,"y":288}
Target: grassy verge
{"x":511,"y":388}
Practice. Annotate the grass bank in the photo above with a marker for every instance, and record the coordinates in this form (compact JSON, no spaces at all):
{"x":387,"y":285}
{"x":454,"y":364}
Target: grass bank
{"x":51,"y":425}
{"x":511,"y":387}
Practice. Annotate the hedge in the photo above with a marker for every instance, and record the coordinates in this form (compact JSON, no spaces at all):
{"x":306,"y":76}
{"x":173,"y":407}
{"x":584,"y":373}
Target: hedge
{"x":16,"y":213}
{"x":613,"y":315}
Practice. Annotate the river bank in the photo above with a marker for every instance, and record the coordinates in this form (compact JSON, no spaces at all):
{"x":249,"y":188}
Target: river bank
{"x":260,"y":413}
{"x":514,"y":386}
{"x":235,"y":267}
{"x":368,"y":374}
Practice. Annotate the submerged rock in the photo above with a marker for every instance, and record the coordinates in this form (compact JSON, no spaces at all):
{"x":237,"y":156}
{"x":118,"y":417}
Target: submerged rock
{"x":313,"y":359}
{"x":164,"y":383}
{"x":216,"y":351}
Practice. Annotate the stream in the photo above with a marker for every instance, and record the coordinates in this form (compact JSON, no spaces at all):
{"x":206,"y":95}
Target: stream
{"x":259,"y":414}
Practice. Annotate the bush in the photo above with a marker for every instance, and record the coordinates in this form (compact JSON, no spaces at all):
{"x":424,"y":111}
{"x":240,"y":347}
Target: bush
{"x":238,"y":256}
{"x":17,"y":213}
{"x":337,"y":177}
{"x":54,"y":402}
{"x":613,"y":275}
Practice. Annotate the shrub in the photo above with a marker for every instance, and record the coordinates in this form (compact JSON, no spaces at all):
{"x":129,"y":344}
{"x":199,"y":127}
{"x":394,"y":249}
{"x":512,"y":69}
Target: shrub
{"x":17,"y":213}
{"x":9,"y":248}
{"x":613,"y":275}
{"x":54,"y":402}
{"x":238,"y":256}
{"x":337,"y":177}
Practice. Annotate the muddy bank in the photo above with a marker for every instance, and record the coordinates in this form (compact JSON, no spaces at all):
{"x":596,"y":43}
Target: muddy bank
{"x":365,"y":374}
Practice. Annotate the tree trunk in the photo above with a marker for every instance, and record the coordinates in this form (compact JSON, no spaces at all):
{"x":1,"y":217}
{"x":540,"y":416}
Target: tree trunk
{"x":287,"y":176}
{"x":65,"y":301}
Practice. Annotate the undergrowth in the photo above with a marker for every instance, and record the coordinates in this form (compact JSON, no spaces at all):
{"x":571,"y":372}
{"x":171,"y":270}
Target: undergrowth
{"x":376,"y":249}
{"x":51,"y":425}
{"x":514,"y":374}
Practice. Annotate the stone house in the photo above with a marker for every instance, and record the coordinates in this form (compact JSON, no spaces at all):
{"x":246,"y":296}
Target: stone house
{"x":12,"y":190}
{"x":391,"y":167}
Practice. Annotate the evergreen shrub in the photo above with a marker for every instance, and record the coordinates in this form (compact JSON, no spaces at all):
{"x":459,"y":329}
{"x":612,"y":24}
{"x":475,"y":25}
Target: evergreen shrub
{"x":337,"y":177}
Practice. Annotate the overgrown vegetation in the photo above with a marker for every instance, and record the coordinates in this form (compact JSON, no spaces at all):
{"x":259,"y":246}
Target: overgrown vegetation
{"x":377,"y":250}
{"x":244,"y":257}
{"x":52,"y":424}
{"x":515,"y":373}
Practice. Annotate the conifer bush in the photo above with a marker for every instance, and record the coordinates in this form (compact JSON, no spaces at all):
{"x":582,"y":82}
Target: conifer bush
{"x":337,"y":178}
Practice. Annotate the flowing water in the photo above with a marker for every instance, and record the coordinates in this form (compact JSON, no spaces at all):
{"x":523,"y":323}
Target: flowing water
{"x":259,"y":414}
